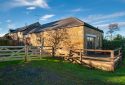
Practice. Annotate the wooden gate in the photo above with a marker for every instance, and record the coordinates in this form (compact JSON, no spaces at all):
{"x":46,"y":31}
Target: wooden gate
{"x":8,"y":53}
{"x":37,"y":52}
{"x":11,"y":53}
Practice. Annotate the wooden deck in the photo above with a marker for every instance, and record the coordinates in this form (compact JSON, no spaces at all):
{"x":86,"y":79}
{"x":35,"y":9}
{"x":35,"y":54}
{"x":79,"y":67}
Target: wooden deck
{"x":101,"y":59}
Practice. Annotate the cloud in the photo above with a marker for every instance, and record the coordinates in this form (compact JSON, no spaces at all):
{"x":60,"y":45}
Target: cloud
{"x":105,"y":26}
{"x":8,"y":21}
{"x":46,"y":17}
{"x":30,"y":4}
{"x":31,"y":8}
{"x":76,"y":10}
{"x":121,"y":24}
{"x":11,"y":26}
{"x":79,"y":10}
{"x":95,"y":18}
{"x":1,"y":35}
{"x":100,"y":22}
{"x":28,"y":12}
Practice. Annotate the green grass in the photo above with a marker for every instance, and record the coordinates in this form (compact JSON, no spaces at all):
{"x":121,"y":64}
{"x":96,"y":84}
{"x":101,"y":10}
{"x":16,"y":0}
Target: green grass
{"x":50,"y":71}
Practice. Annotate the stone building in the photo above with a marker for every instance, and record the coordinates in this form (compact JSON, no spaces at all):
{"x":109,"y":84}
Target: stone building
{"x":64,"y":34}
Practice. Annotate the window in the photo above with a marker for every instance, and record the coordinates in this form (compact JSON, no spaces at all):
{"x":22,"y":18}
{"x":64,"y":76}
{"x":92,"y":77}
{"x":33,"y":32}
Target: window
{"x":90,"y":42}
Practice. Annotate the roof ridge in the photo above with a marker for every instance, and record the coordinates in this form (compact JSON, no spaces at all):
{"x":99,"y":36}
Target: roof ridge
{"x":64,"y":19}
{"x":78,"y":19}
{"x":34,"y":23}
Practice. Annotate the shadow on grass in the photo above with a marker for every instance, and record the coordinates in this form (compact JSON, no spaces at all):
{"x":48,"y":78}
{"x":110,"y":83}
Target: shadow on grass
{"x":51,"y":71}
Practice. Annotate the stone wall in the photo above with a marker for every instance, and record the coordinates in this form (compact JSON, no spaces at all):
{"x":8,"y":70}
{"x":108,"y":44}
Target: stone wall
{"x":76,"y":39}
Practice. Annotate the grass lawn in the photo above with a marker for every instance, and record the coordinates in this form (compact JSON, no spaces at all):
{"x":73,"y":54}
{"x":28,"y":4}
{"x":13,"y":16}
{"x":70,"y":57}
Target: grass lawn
{"x":49,"y":71}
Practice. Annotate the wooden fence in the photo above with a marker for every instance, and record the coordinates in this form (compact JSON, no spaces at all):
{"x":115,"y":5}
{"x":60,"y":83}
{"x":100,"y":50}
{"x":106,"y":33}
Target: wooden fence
{"x":109,"y":58}
{"x":103,"y":59}
{"x":8,"y":53}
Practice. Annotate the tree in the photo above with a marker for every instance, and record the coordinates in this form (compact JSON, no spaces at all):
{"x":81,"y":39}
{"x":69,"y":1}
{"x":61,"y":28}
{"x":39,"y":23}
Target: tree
{"x":40,"y":39}
{"x":57,"y":37}
{"x":118,"y":37}
{"x":112,"y":28}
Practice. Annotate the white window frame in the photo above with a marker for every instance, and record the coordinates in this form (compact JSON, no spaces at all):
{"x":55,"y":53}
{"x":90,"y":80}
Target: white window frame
{"x":90,"y":35}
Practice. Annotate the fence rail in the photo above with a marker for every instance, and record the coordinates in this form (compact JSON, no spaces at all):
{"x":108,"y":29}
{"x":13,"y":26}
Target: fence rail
{"x":24,"y":52}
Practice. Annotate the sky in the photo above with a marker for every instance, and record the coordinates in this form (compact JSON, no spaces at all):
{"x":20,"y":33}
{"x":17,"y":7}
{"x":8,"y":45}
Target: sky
{"x":99,"y":13}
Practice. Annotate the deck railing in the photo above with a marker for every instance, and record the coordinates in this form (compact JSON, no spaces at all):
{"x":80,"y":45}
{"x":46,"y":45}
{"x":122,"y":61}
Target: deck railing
{"x":113,"y":56}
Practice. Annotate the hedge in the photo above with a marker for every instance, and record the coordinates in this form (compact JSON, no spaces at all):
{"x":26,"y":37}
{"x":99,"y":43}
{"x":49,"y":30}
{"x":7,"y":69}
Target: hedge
{"x":113,"y":44}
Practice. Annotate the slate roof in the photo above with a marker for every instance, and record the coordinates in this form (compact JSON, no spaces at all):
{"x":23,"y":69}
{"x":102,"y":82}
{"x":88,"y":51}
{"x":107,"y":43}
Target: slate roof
{"x":27,"y":29}
{"x":31,"y":27}
{"x":63,"y":23}
{"x":12,"y":31}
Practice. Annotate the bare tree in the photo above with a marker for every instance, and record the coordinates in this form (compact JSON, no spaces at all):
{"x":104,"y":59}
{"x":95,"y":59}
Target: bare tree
{"x":112,"y":28}
{"x":40,"y":39}
{"x":57,"y":37}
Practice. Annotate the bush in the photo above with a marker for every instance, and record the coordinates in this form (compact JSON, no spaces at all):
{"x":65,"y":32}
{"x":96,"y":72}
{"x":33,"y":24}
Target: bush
{"x":5,"y":42}
{"x":112,"y":44}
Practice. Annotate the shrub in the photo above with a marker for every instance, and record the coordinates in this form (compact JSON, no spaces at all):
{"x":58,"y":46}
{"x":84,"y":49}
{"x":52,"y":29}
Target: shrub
{"x":113,"y":44}
{"x":6,"y":42}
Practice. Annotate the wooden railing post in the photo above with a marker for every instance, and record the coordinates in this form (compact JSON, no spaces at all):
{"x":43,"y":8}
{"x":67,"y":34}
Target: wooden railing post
{"x":81,"y":56}
{"x":69,"y":53}
{"x":119,"y":52}
{"x":113,"y":62}
{"x":112,"y":55}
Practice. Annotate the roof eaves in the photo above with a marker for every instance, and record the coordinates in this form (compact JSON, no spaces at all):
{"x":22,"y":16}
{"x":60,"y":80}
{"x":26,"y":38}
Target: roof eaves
{"x":92,"y":27}
{"x":88,"y":25}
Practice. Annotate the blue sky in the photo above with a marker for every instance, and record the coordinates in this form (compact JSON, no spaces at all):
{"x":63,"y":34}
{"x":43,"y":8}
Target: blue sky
{"x":99,"y":13}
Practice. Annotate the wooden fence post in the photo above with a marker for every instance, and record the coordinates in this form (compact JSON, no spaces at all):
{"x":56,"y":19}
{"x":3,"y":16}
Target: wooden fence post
{"x":26,"y":53}
{"x":40,"y":52}
{"x":53,"y":52}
